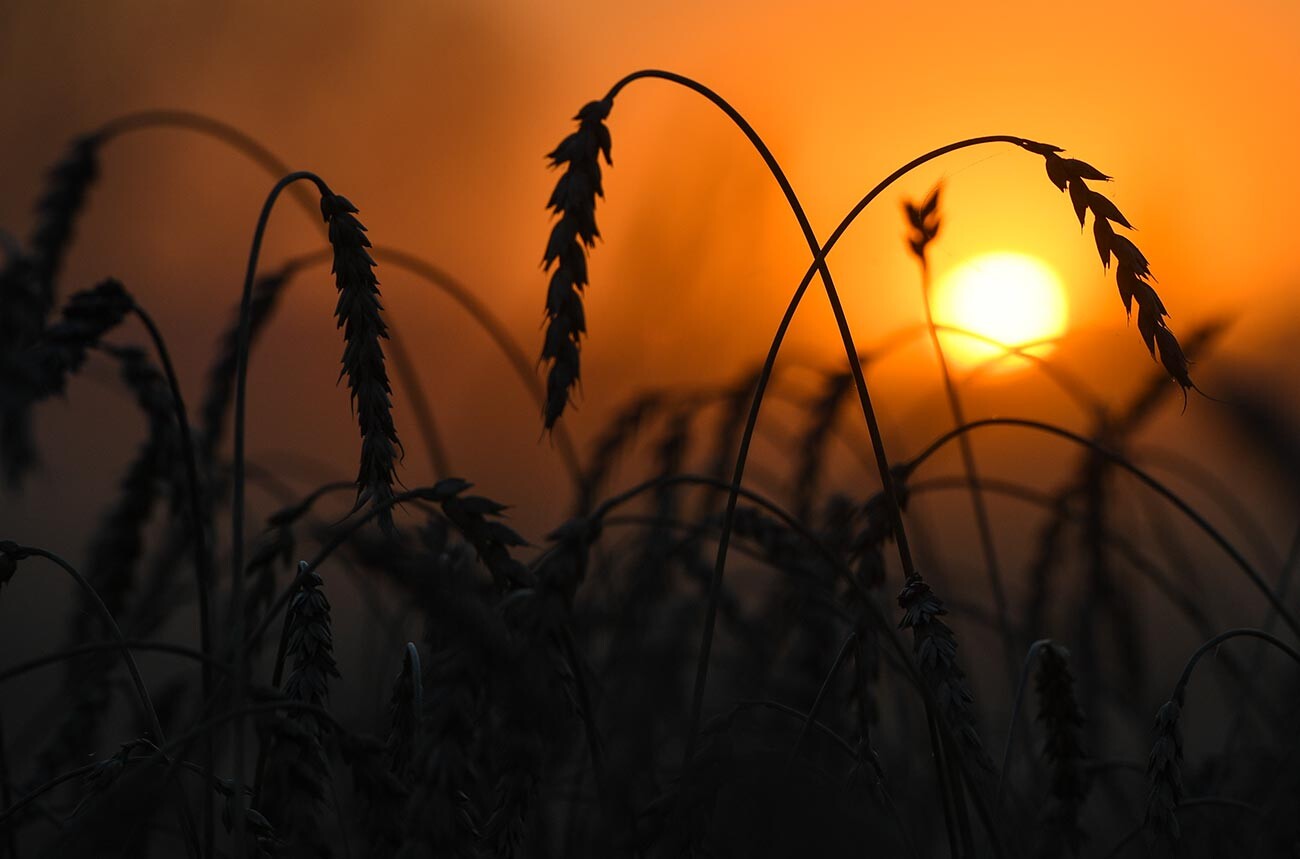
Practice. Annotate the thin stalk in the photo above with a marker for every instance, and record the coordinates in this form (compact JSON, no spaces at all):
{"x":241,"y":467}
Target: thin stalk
{"x":186,"y":120}
{"x":203,"y":564}
{"x":38,"y":662}
{"x":165,"y":752}
{"x":1180,"y":690}
{"x":1070,"y":384}
{"x":1015,"y":714}
{"x":855,"y":366}
{"x":433,"y":443}
{"x":237,"y":502}
{"x":142,"y":693}
{"x":1283,"y":588}
{"x":821,"y":694}
{"x":1165,"y":585}
{"x":947,"y":787}
{"x":1203,"y":801}
{"x":272,"y":164}
{"x":6,"y":795}
{"x":818,"y":267}
{"x":492,"y":325}
{"x":982,"y":523}
{"x":520,"y":363}
{"x":1163,"y":491}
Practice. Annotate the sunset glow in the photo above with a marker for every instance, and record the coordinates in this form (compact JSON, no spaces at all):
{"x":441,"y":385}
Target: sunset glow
{"x":1011,"y":298}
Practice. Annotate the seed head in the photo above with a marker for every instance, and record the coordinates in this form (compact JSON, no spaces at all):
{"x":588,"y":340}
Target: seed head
{"x":1132,"y":271}
{"x":923,"y":219}
{"x":574,"y":233}
{"x":87,"y":317}
{"x":10,"y":555}
{"x":1164,"y":775}
{"x":358,"y":313}
{"x":935,"y":647}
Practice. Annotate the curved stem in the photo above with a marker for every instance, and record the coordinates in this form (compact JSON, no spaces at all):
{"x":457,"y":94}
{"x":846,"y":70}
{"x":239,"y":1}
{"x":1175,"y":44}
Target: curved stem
{"x":1015,"y":713}
{"x":202,"y":553}
{"x":1180,"y":690}
{"x":983,"y":525}
{"x":523,"y":367}
{"x":855,"y":366}
{"x":102,"y":646}
{"x":237,"y":502}
{"x":1212,"y":801}
{"x":491,"y":324}
{"x":1186,"y":509}
{"x":1070,"y":384}
{"x":265,"y":158}
{"x":141,"y":691}
{"x":821,"y":694}
{"x":433,"y":443}
{"x":216,"y":129}
{"x":818,"y":267}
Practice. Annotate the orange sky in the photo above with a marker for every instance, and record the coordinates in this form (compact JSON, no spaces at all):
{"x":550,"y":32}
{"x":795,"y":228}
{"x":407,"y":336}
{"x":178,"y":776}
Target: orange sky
{"x":434,"y":117}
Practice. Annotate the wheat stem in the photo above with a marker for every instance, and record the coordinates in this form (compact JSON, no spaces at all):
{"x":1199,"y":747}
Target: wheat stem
{"x":1015,"y":714}
{"x":983,"y":525}
{"x":202,"y":553}
{"x":37,"y":662}
{"x":237,"y":502}
{"x":1116,"y":459}
{"x":142,"y":693}
{"x":265,"y":158}
{"x":1180,"y":689}
{"x":520,"y":363}
{"x":821,"y":694}
{"x":855,"y":367}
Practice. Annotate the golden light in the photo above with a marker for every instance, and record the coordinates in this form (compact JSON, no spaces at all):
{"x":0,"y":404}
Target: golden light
{"x":1011,"y":298}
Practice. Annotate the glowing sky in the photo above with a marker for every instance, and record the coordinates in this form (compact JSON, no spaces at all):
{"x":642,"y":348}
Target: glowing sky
{"x":434,"y":117}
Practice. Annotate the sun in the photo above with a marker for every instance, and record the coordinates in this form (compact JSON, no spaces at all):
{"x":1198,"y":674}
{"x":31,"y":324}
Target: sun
{"x":1011,"y":298}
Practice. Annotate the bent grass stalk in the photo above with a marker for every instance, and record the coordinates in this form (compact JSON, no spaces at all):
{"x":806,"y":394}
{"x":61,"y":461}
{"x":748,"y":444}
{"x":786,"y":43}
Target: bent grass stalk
{"x":249,"y":146}
{"x":10,"y":550}
{"x":1164,"y":795}
{"x":237,"y":494}
{"x":483,"y":316}
{"x":924,"y":220}
{"x":851,"y":352}
{"x":142,"y":692}
{"x":203,"y":562}
{"x":1116,"y":459}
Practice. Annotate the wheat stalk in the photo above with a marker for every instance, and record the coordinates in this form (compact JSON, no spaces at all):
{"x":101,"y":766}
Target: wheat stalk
{"x":923,"y":219}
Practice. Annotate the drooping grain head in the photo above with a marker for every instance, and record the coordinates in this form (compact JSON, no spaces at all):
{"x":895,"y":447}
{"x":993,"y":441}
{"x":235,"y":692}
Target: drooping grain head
{"x":1132,"y":271}
{"x":87,"y":317}
{"x":69,"y":182}
{"x":478,"y":521}
{"x":574,"y":203}
{"x":359,"y":315}
{"x":27,"y":293}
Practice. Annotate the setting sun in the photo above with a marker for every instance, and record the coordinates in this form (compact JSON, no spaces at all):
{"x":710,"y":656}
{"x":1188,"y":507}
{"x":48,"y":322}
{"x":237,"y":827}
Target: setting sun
{"x":1008,"y":297}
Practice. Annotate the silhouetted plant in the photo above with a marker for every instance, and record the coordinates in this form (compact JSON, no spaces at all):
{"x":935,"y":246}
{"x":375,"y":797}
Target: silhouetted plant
{"x":574,"y":203}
